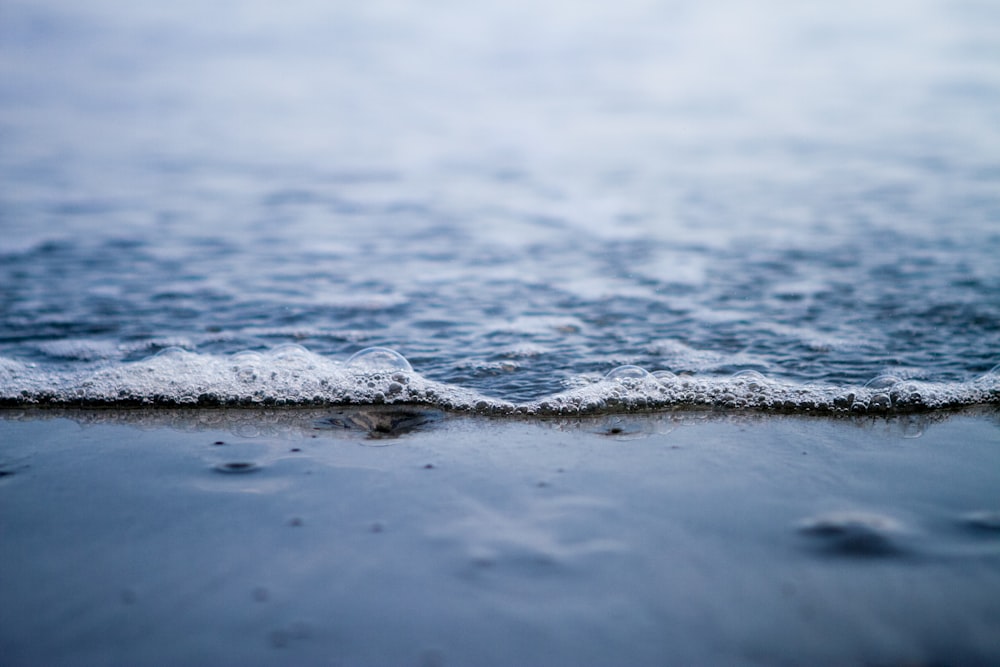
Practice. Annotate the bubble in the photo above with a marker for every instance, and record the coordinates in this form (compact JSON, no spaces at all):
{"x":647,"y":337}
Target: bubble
{"x":378,"y":359}
{"x":882,"y":382}
{"x":844,"y":401}
{"x":666,"y":377}
{"x":289,"y":351}
{"x":753,"y":380}
{"x":172,"y":352}
{"x":990,"y":376}
{"x":880,"y":402}
{"x":627,"y":373}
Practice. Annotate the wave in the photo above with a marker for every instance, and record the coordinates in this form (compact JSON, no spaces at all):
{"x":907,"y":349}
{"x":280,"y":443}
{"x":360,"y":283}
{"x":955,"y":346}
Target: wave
{"x":291,"y":375}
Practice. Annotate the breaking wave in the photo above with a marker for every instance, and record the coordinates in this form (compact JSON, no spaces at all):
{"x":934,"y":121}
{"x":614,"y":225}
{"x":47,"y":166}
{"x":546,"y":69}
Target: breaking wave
{"x":291,"y":375}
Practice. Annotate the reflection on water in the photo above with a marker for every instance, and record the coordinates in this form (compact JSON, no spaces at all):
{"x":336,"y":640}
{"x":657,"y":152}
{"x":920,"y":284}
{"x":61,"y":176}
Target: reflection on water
{"x":379,"y":423}
{"x":390,"y":422}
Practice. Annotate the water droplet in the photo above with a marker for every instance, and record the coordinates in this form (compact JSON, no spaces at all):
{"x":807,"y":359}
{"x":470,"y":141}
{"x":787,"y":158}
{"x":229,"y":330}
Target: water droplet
{"x":378,"y":359}
{"x":627,"y":373}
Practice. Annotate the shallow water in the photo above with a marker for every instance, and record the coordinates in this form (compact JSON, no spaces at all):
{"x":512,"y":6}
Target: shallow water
{"x":517,"y":200}
{"x":261,"y":537}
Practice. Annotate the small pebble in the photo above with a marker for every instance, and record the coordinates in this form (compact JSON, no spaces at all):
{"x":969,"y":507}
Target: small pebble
{"x":984,"y":520}
{"x":237,"y":467}
{"x":854,"y":533}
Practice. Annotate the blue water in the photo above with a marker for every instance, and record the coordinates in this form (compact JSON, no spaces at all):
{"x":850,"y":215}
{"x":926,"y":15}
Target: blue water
{"x":221,"y":204}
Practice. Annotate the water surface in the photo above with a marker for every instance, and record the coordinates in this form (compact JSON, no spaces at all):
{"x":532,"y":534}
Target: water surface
{"x":516,"y":199}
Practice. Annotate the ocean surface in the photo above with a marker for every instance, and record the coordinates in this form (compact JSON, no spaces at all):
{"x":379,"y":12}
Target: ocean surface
{"x":567,"y":208}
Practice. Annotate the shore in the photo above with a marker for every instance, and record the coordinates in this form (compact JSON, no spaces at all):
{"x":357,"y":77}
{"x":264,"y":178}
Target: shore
{"x":413,"y":537}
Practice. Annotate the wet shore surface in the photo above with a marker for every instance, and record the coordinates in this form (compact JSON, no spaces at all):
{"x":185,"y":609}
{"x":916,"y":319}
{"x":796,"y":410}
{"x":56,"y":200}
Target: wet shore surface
{"x":368,"y":536}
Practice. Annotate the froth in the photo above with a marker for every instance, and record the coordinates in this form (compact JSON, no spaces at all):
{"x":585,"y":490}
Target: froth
{"x":293,"y":375}
{"x":630,"y":388}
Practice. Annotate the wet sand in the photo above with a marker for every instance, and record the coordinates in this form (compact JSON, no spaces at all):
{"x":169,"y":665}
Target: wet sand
{"x":407,"y":537}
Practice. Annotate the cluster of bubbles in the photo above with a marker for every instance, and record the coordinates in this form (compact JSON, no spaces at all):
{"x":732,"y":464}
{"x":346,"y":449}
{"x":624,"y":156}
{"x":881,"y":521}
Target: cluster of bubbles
{"x":292,"y":375}
{"x":629,"y":388}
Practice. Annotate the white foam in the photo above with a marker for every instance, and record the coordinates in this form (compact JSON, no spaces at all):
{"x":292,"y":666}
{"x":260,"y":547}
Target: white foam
{"x":293,"y":375}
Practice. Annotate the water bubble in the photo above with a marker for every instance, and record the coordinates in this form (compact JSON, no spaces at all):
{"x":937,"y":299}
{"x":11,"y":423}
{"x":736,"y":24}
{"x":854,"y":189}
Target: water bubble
{"x":844,"y":401}
{"x":666,"y":377}
{"x":991,"y":376}
{"x":906,"y":393}
{"x":627,"y":373}
{"x":753,"y":380}
{"x":289,"y":351}
{"x":246,"y":375}
{"x":172,"y":352}
{"x":880,"y":402}
{"x":882,"y":382}
{"x":378,"y":359}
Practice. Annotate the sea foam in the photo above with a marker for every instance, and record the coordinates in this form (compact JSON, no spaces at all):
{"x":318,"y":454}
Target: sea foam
{"x":292,"y":375}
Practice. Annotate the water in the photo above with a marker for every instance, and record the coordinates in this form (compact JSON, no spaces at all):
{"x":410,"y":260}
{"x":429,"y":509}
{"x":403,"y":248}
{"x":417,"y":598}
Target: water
{"x":222,"y":204}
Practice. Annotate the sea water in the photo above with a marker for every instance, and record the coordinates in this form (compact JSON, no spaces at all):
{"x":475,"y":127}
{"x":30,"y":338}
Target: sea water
{"x":501,"y":207}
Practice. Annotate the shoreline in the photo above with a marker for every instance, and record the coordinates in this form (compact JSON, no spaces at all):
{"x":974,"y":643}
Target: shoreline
{"x":382,"y":536}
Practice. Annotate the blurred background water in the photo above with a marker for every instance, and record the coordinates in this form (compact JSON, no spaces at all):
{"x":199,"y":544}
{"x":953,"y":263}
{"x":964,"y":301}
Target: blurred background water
{"x":517,"y":197}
